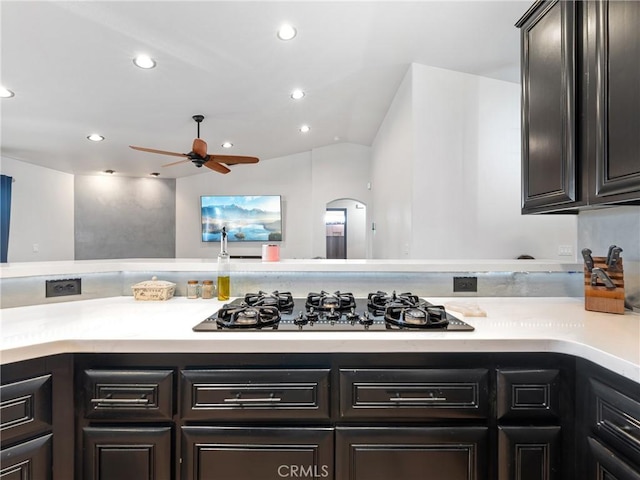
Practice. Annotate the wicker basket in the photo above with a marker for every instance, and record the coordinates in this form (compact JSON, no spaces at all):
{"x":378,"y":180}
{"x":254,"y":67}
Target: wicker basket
{"x":153,"y":289}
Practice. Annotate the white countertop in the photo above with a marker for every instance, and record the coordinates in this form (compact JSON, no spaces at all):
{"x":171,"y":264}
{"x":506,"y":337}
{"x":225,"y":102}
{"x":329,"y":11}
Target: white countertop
{"x":514,"y":324}
{"x":27,"y":269}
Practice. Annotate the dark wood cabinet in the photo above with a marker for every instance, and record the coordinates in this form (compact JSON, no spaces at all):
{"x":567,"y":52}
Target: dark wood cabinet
{"x":406,"y":453}
{"x":114,"y":453}
{"x":126,"y":423}
{"x":529,"y":453}
{"x":29,"y":460}
{"x":529,"y":406}
{"x":548,"y":75}
{"x":604,"y":464}
{"x":608,"y":417}
{"x":613,"y":33}
{"x":36,"y":419}
{"x":580,"y":105}
{"x":250,"y":453}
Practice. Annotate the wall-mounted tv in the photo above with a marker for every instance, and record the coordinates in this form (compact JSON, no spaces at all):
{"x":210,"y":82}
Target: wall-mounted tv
{"x":255,"y":218}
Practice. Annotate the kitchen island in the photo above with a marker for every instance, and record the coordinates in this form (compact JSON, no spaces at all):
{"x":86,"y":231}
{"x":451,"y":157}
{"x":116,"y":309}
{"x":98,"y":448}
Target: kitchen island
{"x":124,"y":377}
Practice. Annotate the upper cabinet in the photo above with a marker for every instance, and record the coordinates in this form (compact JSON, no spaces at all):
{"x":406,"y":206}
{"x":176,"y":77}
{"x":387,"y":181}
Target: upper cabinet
{"x":580,"y":105}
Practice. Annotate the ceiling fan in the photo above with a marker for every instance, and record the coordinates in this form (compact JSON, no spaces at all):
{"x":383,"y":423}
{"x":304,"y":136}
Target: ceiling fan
{"x":199,"y":156}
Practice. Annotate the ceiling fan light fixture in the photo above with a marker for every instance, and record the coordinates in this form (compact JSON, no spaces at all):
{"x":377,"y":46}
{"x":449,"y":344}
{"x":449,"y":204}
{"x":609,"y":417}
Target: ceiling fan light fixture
{"x":6,"y":93}
{"x":297,"y":94}
{"x":305,"y":128}
{"x":95,"y":137}
{"x":227,"y":145}
{"x":144,"y":61}
{"x":286,"y":32}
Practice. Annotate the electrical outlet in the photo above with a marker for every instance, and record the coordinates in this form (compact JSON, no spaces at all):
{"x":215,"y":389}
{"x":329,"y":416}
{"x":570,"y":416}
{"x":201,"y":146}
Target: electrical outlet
{"x":465,"y":284}
{"x":565,"y":250}
{"x":59,"y":288}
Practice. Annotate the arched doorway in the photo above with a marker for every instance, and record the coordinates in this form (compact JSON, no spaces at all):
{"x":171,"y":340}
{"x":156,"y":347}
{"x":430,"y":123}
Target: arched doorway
{"x":346,"y":229}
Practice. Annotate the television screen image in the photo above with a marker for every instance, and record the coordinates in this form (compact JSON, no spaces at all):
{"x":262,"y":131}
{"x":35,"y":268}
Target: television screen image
{"x":247,"y":218}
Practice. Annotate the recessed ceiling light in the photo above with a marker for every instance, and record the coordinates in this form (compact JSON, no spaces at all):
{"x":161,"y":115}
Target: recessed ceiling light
{"x":6,"y":93}
{"x":94,"y":137}
{"x":227,"y":145}
{"x":154,"y":174}
{"x":297,"y":94}
{"x":305,"y":128}
{"x":144,"y":61}
{"x":110,"y":172}
{"x":286,"y":32}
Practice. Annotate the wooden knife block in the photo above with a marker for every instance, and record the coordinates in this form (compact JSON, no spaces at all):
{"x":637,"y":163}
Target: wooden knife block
{"x":600,"y":298}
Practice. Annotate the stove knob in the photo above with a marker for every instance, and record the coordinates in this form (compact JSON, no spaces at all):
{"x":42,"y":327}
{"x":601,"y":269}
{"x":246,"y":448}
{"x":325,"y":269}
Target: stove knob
{"x":333,"y":316}
{"x":366,"y":320}
{"x":300,"y":320}
{"x":352,"y":317}
{"x":312,"y":316}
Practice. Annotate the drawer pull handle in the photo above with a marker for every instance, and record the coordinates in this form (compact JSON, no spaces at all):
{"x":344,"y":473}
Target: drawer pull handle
{"x":417,"y":399}
{"x":113,"y":401}
{"x":237,"y":399}
{"x":627,"y":432}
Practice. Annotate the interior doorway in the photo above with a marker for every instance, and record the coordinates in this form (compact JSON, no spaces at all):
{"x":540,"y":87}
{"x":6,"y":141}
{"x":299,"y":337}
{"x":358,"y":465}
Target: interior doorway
{"x":346,"y":224}
{"x":335,"y":220}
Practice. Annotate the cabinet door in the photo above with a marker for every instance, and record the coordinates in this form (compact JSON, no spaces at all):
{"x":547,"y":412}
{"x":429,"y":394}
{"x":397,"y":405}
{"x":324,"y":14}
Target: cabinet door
{"x":28,"y":460}
{"x":603,"y":464}
{"x":245,"y":453}
{"x":616,"y":79}
{"x":384,"y":453}
{"x":549,"y":166}
{"x":112,"y":453}
{"x":529,"y":453}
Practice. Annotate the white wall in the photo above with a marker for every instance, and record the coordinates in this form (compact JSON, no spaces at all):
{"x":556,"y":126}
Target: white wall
{"x":392,"y":163}
{"x":41,"y":213}
{"x":306,"y":181}
{"x":338,"y":171}
{"x":287,"y":176}
{"x":464,"y":173}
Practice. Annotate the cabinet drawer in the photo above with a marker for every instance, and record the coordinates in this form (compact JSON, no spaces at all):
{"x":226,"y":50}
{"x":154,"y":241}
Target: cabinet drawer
{"x":254,"y":394}
{"x":615,"y":418}
{"x":413,"y":393}
{"x":530,"y":394}
{"x":25,"y":408}
{"x":128,"y":394}
{"x":605,"y":464}
{"x":30,"y":460}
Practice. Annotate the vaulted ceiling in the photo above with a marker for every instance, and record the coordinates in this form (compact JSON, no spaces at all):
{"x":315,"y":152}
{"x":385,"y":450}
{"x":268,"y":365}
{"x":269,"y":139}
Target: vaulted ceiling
{"x":70,"y":67}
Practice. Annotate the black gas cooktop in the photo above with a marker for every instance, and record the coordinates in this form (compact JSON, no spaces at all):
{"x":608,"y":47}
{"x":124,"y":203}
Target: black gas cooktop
{"x":335,"y":311}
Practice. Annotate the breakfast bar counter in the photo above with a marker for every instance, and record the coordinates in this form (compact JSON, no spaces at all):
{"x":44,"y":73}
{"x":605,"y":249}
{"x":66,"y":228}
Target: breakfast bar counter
{"x":512,"y":324}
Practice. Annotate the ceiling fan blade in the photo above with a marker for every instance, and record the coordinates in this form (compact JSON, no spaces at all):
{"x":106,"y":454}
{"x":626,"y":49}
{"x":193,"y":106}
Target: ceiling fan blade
{"x":176,"y":163}
{"x":233,"y":159}
{"x":199,"y":147}
{"x":161,"y":152}
{"x":216,"y":167}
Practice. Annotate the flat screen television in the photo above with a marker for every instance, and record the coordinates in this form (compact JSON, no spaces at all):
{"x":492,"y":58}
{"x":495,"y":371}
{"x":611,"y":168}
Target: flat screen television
{"x":256,"y":218}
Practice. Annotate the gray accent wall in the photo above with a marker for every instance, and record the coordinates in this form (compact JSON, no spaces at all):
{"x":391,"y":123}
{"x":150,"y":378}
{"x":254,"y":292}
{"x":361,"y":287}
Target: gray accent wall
{"x":124,"y":217}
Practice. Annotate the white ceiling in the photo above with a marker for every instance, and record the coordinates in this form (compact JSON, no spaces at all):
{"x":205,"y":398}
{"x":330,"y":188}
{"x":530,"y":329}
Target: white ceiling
{"x":70,"y":66}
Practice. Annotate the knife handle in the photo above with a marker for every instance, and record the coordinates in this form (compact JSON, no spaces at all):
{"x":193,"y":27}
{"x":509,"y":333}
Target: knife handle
{"x":588,"y":259}
{"x":612,"y":261}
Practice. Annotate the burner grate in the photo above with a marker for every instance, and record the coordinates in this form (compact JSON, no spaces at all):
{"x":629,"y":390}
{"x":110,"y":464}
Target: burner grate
{"x":244,"y":316}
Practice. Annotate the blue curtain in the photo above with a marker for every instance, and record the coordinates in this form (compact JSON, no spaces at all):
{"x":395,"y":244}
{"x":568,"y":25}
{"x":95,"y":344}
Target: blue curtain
{"x":5,"y":214}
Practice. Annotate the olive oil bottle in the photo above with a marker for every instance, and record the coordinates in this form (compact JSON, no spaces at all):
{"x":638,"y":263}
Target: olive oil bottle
{"x":224,"y":269}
